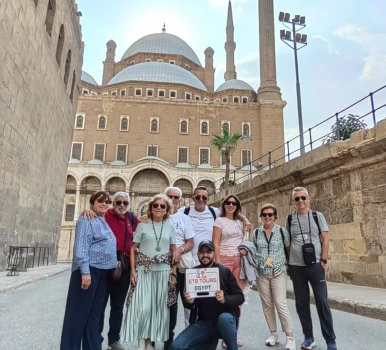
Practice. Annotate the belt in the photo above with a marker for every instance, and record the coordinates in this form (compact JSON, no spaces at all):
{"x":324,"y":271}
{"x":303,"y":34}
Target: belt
{"x":230,"y":254}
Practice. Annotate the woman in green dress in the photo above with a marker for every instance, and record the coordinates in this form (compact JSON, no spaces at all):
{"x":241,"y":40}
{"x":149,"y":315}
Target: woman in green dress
{"x":147,"y":316}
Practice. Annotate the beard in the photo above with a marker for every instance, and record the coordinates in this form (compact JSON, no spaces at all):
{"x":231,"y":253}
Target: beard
{"x":208,"y":264}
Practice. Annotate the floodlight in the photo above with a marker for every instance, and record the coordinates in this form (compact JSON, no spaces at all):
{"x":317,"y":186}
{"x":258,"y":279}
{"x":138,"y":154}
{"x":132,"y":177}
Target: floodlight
{"x":302,"y":20}
{"x":297,"y":18}
{"x":282,"y":33}
{"x":287,"y":17}
{"x":288,"y":35}
{"x":298,"y":37}
{"x":303,"y":40}
{"x":281,"y":16}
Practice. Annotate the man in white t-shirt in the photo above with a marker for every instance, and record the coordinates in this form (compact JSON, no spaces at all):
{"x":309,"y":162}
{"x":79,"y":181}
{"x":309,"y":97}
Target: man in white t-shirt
{"x":184,"y":243}
{"x":203,"y":217}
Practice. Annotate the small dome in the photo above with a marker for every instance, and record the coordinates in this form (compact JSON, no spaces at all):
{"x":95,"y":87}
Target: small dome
{"x":205,"y":166}
{"x":74,"y":161}
{"x":246,"y":167}
{"x":231,"y":167}
{"x":162,"y":43}
{"x":88,"y":78}
{"x":158,"y":72}
{"x":119,"y":163}
{"x":235,"y":84}
{"x":95,"y":162}
{"x":183,"y":165}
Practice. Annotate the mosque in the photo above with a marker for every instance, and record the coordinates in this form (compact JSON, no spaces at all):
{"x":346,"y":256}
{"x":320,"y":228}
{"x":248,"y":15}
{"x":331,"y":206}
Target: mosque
{"x":151,"y":122}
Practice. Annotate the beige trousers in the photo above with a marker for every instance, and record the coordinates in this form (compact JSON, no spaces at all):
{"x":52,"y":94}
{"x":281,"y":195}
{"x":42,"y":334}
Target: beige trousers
{"x":273,"y":294}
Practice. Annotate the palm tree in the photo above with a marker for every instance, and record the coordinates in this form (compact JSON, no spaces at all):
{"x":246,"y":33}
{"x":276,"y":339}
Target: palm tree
{"x":226,"y":144}
{"x":344,"y":127}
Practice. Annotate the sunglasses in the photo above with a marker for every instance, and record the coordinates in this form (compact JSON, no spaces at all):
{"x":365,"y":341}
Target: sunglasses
{"x":303,"y":198}
{"x":101,"y":200}
{"x":125,"y":203}
{"x":204,"y":198}
{"x":156,"y":205}
{"x":266,"y":214}
{"x":174,"y":197}
{"x":235,"y":204}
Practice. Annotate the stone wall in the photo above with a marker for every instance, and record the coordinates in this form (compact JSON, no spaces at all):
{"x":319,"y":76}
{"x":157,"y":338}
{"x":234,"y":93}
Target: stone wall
{"x":39,"y":78}
{"x":347,"y":182}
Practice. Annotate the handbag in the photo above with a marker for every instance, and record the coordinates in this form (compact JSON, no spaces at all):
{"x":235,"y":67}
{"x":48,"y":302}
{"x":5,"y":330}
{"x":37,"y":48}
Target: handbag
{"x":172,"y":293}
{"x":186,"y":262}
{"x":116,"y":273}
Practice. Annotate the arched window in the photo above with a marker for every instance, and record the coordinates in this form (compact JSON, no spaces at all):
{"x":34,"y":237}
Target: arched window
{"x":184,"y":127}
{"x":124,"y":124}
{"x":226,"y":126}
{"x":204,"y":128}
{"x":102,"y":123}
{"x":72,"y":86}
{"x":246,"y":130}
{"x":59,"y":46}
{"x":154,"y":125}
{"x":79,"y":122}
{"x":67,"y":69}
{"x":50,"y":16}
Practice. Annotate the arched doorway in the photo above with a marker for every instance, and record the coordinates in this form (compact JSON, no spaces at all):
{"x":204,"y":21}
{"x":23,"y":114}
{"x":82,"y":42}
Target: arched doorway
{"x":70,"y":185}
{"x":115,"y":184}
{"x":186,"y":188}
{"x":88,"y":187}
{"x":209,"y":185}
{"x":146,"y":184}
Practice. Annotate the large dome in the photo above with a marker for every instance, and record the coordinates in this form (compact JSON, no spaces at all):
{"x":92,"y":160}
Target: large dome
{"x":234,"y":84}
{"x":159,"y":72}
{"x":162,"y":43}
{"x":88,"y":78}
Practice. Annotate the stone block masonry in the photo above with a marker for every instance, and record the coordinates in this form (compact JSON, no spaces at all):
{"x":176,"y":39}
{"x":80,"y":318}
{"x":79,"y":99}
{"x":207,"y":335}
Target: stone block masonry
{"x":40,"y":67}
{"x":347,"y":183}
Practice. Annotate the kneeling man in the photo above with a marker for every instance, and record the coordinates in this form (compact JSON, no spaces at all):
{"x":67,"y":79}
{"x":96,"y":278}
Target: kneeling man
{"x":217,"y":316}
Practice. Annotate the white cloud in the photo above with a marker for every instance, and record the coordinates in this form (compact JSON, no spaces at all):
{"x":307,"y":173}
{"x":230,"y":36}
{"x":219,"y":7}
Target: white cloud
{"x":237,"y":6}
{"x":249,"y":57}
{"x":373,"y":44}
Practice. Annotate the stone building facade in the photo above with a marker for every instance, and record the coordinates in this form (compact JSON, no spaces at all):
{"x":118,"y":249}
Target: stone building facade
{"x":40,"y":69}
{"x":151,"y":122}
{"x":347,"y":183}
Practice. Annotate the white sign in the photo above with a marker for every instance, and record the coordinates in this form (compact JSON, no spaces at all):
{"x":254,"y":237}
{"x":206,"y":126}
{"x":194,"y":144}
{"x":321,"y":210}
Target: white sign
{"x":202,"y":283}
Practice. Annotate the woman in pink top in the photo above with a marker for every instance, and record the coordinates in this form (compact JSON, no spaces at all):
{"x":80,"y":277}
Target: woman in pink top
{"x":227,"y":236}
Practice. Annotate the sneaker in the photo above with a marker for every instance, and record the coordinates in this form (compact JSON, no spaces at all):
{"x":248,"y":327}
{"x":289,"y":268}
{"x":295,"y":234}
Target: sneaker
{"x":308,"y":343}
{"x":116,"y":346}
{"x":272,"y":340}
{"x":290,"y":344}
{"x":331,"y":347}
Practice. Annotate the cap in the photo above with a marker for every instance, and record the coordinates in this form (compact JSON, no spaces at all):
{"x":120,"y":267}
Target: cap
{"x":206,"y":243}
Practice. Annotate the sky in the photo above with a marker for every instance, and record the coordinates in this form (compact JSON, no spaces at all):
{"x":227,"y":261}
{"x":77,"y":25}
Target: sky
{"x":344,"y":61}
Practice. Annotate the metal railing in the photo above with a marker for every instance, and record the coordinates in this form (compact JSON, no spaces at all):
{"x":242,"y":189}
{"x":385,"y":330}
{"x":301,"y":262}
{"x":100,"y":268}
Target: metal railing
{"x":21,"y":258}
{"x":315,"y":136}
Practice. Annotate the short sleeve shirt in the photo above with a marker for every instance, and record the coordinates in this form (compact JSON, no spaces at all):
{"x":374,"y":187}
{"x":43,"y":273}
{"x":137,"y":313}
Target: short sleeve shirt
{"x":183,"y":227}
{"x":276,"y":250}
{"x":144,"y":235}
{"x":310,"y":234}
{"x":231,"y":235}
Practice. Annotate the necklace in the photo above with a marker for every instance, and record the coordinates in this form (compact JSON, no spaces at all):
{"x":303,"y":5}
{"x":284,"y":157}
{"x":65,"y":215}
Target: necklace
{"x":158,"y":239}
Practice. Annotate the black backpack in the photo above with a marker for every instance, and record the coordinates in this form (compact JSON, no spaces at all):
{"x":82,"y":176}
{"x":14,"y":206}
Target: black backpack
{"x":187,"y":210}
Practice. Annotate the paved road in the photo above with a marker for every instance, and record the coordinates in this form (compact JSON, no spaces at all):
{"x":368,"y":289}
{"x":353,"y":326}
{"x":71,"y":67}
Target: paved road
{"x":31,"y":318}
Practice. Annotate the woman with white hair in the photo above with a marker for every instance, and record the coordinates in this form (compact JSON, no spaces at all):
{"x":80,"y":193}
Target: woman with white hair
{"x":147,"y":316}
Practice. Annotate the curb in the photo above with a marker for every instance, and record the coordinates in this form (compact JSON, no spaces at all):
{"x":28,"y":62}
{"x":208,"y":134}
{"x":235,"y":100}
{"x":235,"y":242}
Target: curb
{"x":370,"y":310}
{"x":31,"y":280}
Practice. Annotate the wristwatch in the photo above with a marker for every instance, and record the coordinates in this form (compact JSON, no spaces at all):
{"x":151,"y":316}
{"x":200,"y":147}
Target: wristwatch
{"x":324,"y":261}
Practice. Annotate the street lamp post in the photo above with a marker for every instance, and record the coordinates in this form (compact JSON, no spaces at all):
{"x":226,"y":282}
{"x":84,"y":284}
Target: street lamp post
{"x":299,"y":41}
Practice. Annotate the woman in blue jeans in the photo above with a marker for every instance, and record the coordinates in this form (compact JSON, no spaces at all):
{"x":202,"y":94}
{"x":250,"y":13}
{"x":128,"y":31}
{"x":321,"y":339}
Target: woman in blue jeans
{"x":95,"y":253}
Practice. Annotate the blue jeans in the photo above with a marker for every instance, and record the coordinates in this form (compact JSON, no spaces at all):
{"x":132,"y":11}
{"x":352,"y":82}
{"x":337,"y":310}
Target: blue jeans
{"x":200,"y":334}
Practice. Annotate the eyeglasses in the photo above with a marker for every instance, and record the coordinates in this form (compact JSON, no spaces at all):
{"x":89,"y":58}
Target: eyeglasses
{"x":266,"y":214}
{"x":235,"y":204}
{"x":156,"y":205}
{"x":102,"y":200}
{"x":204,"y":198}
{"x":303,"y":198}
{"x":125,"y":203}
{"x":174,"y":197}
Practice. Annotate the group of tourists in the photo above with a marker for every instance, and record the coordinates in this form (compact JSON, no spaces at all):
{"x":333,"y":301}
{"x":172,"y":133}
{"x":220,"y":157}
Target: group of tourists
{"x":141,"y":263}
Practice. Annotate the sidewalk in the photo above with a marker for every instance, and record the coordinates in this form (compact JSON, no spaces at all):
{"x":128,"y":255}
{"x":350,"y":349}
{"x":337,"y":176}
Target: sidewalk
{"x":8,"y":283}
{"x":363,"y":301}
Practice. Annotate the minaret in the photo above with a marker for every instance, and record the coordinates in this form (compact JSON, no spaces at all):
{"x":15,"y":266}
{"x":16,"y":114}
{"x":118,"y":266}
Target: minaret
{"x":230,"y":47}
{"x":268,"y":89}
{"x":109,"y":63}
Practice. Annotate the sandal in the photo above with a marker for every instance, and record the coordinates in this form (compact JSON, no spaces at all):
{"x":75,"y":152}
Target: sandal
{"x":224,"y":346}
{"x":239,"y":343}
